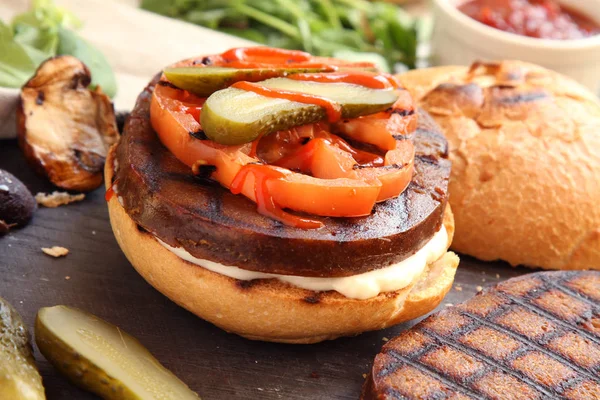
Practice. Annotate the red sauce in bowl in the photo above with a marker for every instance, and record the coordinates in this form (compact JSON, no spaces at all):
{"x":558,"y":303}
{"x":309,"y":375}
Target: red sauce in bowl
{"x":545,"y":19}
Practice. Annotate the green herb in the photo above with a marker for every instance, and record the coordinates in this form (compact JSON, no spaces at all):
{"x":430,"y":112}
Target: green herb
{"x":70,"y":43}
{"x":42,"y":32}
{"x":358,"y":30}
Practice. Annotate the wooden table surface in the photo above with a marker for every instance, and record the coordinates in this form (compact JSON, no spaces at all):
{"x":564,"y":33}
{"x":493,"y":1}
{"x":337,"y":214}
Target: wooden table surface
{"x":97,"y":277}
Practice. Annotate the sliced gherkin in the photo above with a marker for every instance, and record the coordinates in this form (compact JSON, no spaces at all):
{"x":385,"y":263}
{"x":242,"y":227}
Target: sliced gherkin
{"x":19,"y":377}
{"x":204,"y":81}
{"x":101,"y":358}
{"x":233,"y":116}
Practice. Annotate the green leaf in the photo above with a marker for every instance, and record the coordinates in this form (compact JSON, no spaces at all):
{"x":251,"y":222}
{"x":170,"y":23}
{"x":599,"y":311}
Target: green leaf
{"x":44,"y":14}
{"x":39,"y":43}
{"x":102,"y":75}
{"x":16,"y":66}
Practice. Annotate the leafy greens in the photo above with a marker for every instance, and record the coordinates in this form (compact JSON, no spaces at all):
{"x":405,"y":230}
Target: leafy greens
{"x":357,"y":29}
{"x":42,"y":32}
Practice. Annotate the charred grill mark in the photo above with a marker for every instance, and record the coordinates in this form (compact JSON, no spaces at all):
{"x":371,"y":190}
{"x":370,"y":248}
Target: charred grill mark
{"x":427,"y":159}
{"x":490,"y":362}
{"x":529,"y":345}
{"x":537,"y":349}
{"x":426,"y":369}
{"x":203,"y":171}
{"x":81,"y":80}
{"x":121,"y":118}
{"x":141,"y":229}
{"x":403,"y":113}
{"x":385,"y":167}
{"x":394,"y":394}
{"x":313,"y":299}
{"x":547,"y":315}
{"x":90,"y":162}
{"x":203,"y":61}
{"x":245,"y":285}
{"x":522,"y":98}
{"x":168,"y":84}
{"x":560,"y":286}
{"x":199,"y":134}
{"x":41,"y":96}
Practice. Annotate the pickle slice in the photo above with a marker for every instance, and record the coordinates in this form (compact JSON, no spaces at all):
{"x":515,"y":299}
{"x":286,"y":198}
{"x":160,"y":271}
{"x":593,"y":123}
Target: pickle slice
{"x":233,"y":116}
{"x":101,"y":358}
{"x":19,"y":377}
{"x":204,"y":81}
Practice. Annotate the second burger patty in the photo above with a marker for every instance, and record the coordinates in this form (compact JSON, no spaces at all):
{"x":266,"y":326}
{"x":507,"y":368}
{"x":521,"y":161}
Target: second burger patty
{"x":163,"y":197}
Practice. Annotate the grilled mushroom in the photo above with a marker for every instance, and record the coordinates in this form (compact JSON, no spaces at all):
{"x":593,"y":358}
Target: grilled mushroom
{"x":65,"y":129}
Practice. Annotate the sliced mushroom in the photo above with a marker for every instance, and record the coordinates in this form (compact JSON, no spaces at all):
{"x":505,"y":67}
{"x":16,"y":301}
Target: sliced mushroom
{"x":17,"y":204}
{"x":65,"y":129}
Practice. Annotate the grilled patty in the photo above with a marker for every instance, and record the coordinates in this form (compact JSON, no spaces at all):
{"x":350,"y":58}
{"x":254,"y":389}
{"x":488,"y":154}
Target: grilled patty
{"x":163,"y":197}
{"x":532,"y":337}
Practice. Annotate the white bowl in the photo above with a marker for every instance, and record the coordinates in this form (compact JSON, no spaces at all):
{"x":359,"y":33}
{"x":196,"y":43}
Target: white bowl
{"x":460,"y":40}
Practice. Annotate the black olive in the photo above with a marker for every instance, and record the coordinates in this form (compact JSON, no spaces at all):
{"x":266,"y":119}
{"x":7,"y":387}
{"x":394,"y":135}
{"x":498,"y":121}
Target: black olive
{"x":17,"y":204}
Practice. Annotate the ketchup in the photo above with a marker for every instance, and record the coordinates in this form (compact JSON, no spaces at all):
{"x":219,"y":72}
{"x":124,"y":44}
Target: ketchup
{"x":264,"y":201}
{"x":544,"y":19}
{"x":110,"y":192}
{"x":370,"y":80}
{"x":333,"y":109}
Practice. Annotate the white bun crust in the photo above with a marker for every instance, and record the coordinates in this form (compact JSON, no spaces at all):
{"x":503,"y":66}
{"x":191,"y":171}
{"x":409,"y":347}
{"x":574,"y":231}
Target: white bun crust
{"x":270,"y":310}
{"x":525,"y":151}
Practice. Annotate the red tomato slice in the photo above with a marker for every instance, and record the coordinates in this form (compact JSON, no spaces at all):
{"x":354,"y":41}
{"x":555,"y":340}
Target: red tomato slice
{"x":325,"y":197}
{"x":381,"y":129}
{"x":345,"y":182}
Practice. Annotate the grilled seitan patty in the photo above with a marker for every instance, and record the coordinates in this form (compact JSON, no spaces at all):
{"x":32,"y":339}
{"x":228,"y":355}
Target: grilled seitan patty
{"x":532,"y":337}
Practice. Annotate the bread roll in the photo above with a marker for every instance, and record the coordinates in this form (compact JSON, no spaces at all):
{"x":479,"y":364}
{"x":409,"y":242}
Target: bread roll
{"x":525,"y":147}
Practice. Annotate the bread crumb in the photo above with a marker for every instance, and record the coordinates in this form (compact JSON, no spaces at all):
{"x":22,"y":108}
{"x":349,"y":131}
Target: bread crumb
{"x":479,"y":288}
{"x":55,"y":251}
{"x":364,"y":376}
{"x":57,"y":199}
{"x":497,"y":276}
{"x":67,"y":277}
{"x":449,"y":305}
{"x":458,"y":288}
{"x":385,"y":339}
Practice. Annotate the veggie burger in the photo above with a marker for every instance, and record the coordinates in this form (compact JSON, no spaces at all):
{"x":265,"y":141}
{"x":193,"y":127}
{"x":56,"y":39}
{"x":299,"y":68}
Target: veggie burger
{"x":284,"y":197}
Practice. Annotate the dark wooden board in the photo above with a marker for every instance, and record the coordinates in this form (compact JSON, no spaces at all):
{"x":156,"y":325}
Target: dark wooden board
{"x":97,"y":277}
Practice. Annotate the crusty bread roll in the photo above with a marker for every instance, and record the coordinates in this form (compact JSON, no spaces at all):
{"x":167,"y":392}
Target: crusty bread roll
{"x":525,"y":147}
{"x":270,"y":310}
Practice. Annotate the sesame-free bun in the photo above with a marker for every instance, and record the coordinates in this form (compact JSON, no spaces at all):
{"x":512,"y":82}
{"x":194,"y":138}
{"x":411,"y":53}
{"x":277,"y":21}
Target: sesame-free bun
{"x":268,"y":309}
{"x":525,"y":150}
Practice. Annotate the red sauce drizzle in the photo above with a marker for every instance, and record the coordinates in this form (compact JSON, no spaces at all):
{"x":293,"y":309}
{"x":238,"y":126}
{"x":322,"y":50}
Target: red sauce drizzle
{"x":267,"y":57}
{"x":333,"y":109}
{"x":545,"y":19}
{"x":363,"y":158}
{"x":370,"y":80}
{"x":264,"y":201}
{"x":268,"y":54}
{"x":110,"y":192}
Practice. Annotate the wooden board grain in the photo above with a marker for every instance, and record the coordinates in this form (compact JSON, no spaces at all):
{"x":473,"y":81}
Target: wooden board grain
{"x":96,"y":277}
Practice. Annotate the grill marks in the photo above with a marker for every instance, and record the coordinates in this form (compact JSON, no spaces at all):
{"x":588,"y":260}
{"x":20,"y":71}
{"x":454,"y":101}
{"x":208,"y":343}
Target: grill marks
{"x":455,"y":350}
